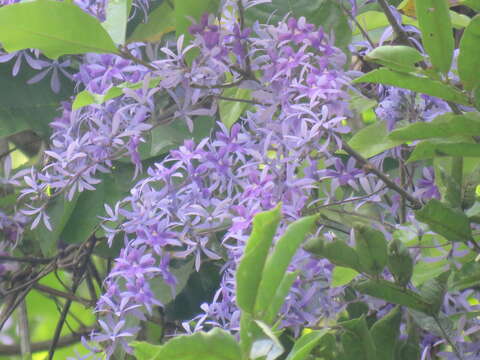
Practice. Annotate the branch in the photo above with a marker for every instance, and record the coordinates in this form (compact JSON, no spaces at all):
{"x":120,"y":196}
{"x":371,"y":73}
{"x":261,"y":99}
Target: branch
{"x":64,"y":341}
{"x":397,"y":28}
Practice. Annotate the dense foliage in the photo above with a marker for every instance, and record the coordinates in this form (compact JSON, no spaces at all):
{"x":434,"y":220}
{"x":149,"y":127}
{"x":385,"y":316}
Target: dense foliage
{"x":240,"y":179}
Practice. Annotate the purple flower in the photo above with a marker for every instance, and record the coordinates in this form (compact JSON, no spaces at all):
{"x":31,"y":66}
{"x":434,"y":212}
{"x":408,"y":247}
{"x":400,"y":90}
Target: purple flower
{"x":426,"y":188}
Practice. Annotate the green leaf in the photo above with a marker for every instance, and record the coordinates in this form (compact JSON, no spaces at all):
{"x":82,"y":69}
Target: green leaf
{"x":342,"y":276}
{"x":357,"y":341}
{"x":84,"y":220}
{"x":414,"y":83}
{"x":160,"y":22}
{"x":450,"y":223}
{"x":268,"y":347}
{"x":385,"y":333}
{"x":305,"y":344}
{"x":362,"y":142}
{"x":433,"y":291}
{"x":400,"y":263}
{"x":163,"y":291}
{"x":431,"y":148}
{"x":85,"y":97}
{"x":271,"y":313}
{"x":230,"y":111}
{"x":424,"y":271}
{"x":249,"y":272}
{"x":55,"y":28}
{"x":170,"y":136}
{"x":469,"y":56}
{"x":400,"y":57}
{"x":326,"y":13}
{"x":144,"y":350}
{"x":337,"y":252}
{"x":24,"y":106}
{"x":376,"y":20}
{"x":217,"y":344}
{"x":59,"y":211}
{"x":277,"y":262}
{"x":393,"y":293}
{"x":474,"y":4}
{"x":433,"y":326}
{"x":200,"y":288}
{"x":371,"y":248}
{"x":437,"y":33}
{"x":117,"y":12}
{"x":445,"y":125}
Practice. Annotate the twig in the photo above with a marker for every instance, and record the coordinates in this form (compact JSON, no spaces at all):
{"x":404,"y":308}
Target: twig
{"x":226,"y":98}
{"x":64,"y":341}
{"x":77,"y":278}
{"x":357,"y":24}
{"x":342,"y":202}
{"x":368,"y":167}
{"x":397,"y":28}
{"x":30,"y":260}
{"x":55,"y":292}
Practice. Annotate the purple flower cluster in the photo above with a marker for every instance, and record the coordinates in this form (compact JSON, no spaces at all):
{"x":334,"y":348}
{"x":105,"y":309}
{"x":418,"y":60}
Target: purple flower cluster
{"x":221,"y":183}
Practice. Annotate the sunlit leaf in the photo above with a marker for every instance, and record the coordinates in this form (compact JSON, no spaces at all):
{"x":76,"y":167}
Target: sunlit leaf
{"x":56,"y":28}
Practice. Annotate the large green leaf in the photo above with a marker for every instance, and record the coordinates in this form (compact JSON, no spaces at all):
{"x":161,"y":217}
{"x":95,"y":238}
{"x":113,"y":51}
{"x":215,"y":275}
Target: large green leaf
{"x":217,"y":344}
{"x":385,"y":334}
{"x":326,"y":13}
{"x":469,"y":56}
{"x":160,"y":21}
{"x":394,"y":294}
{"x":277,"y":262}
{"x":337,"y":252}
{"x":415,"y":83}
{"x":437,"y":33}
{"x":445,"y":125}
{"x":431,"y":148}
{"x":362,"y":142}
{"x":371,"y":248}
{"x":117,"y":12}
{"x":24,"y":106}
{"x":450,"y":223}
{"x":56,"y":28}
{"x":400,"y":57}
{"x":357,"y":341}
{"x":250,"y":269}
{"x":433,"y":290}
{"x":342,"y":276}
{"x":305,"y":344}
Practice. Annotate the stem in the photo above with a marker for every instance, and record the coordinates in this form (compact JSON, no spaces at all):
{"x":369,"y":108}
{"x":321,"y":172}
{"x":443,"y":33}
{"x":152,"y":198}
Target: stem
{"x":447,"y":338}
{"x":25,"y":347}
